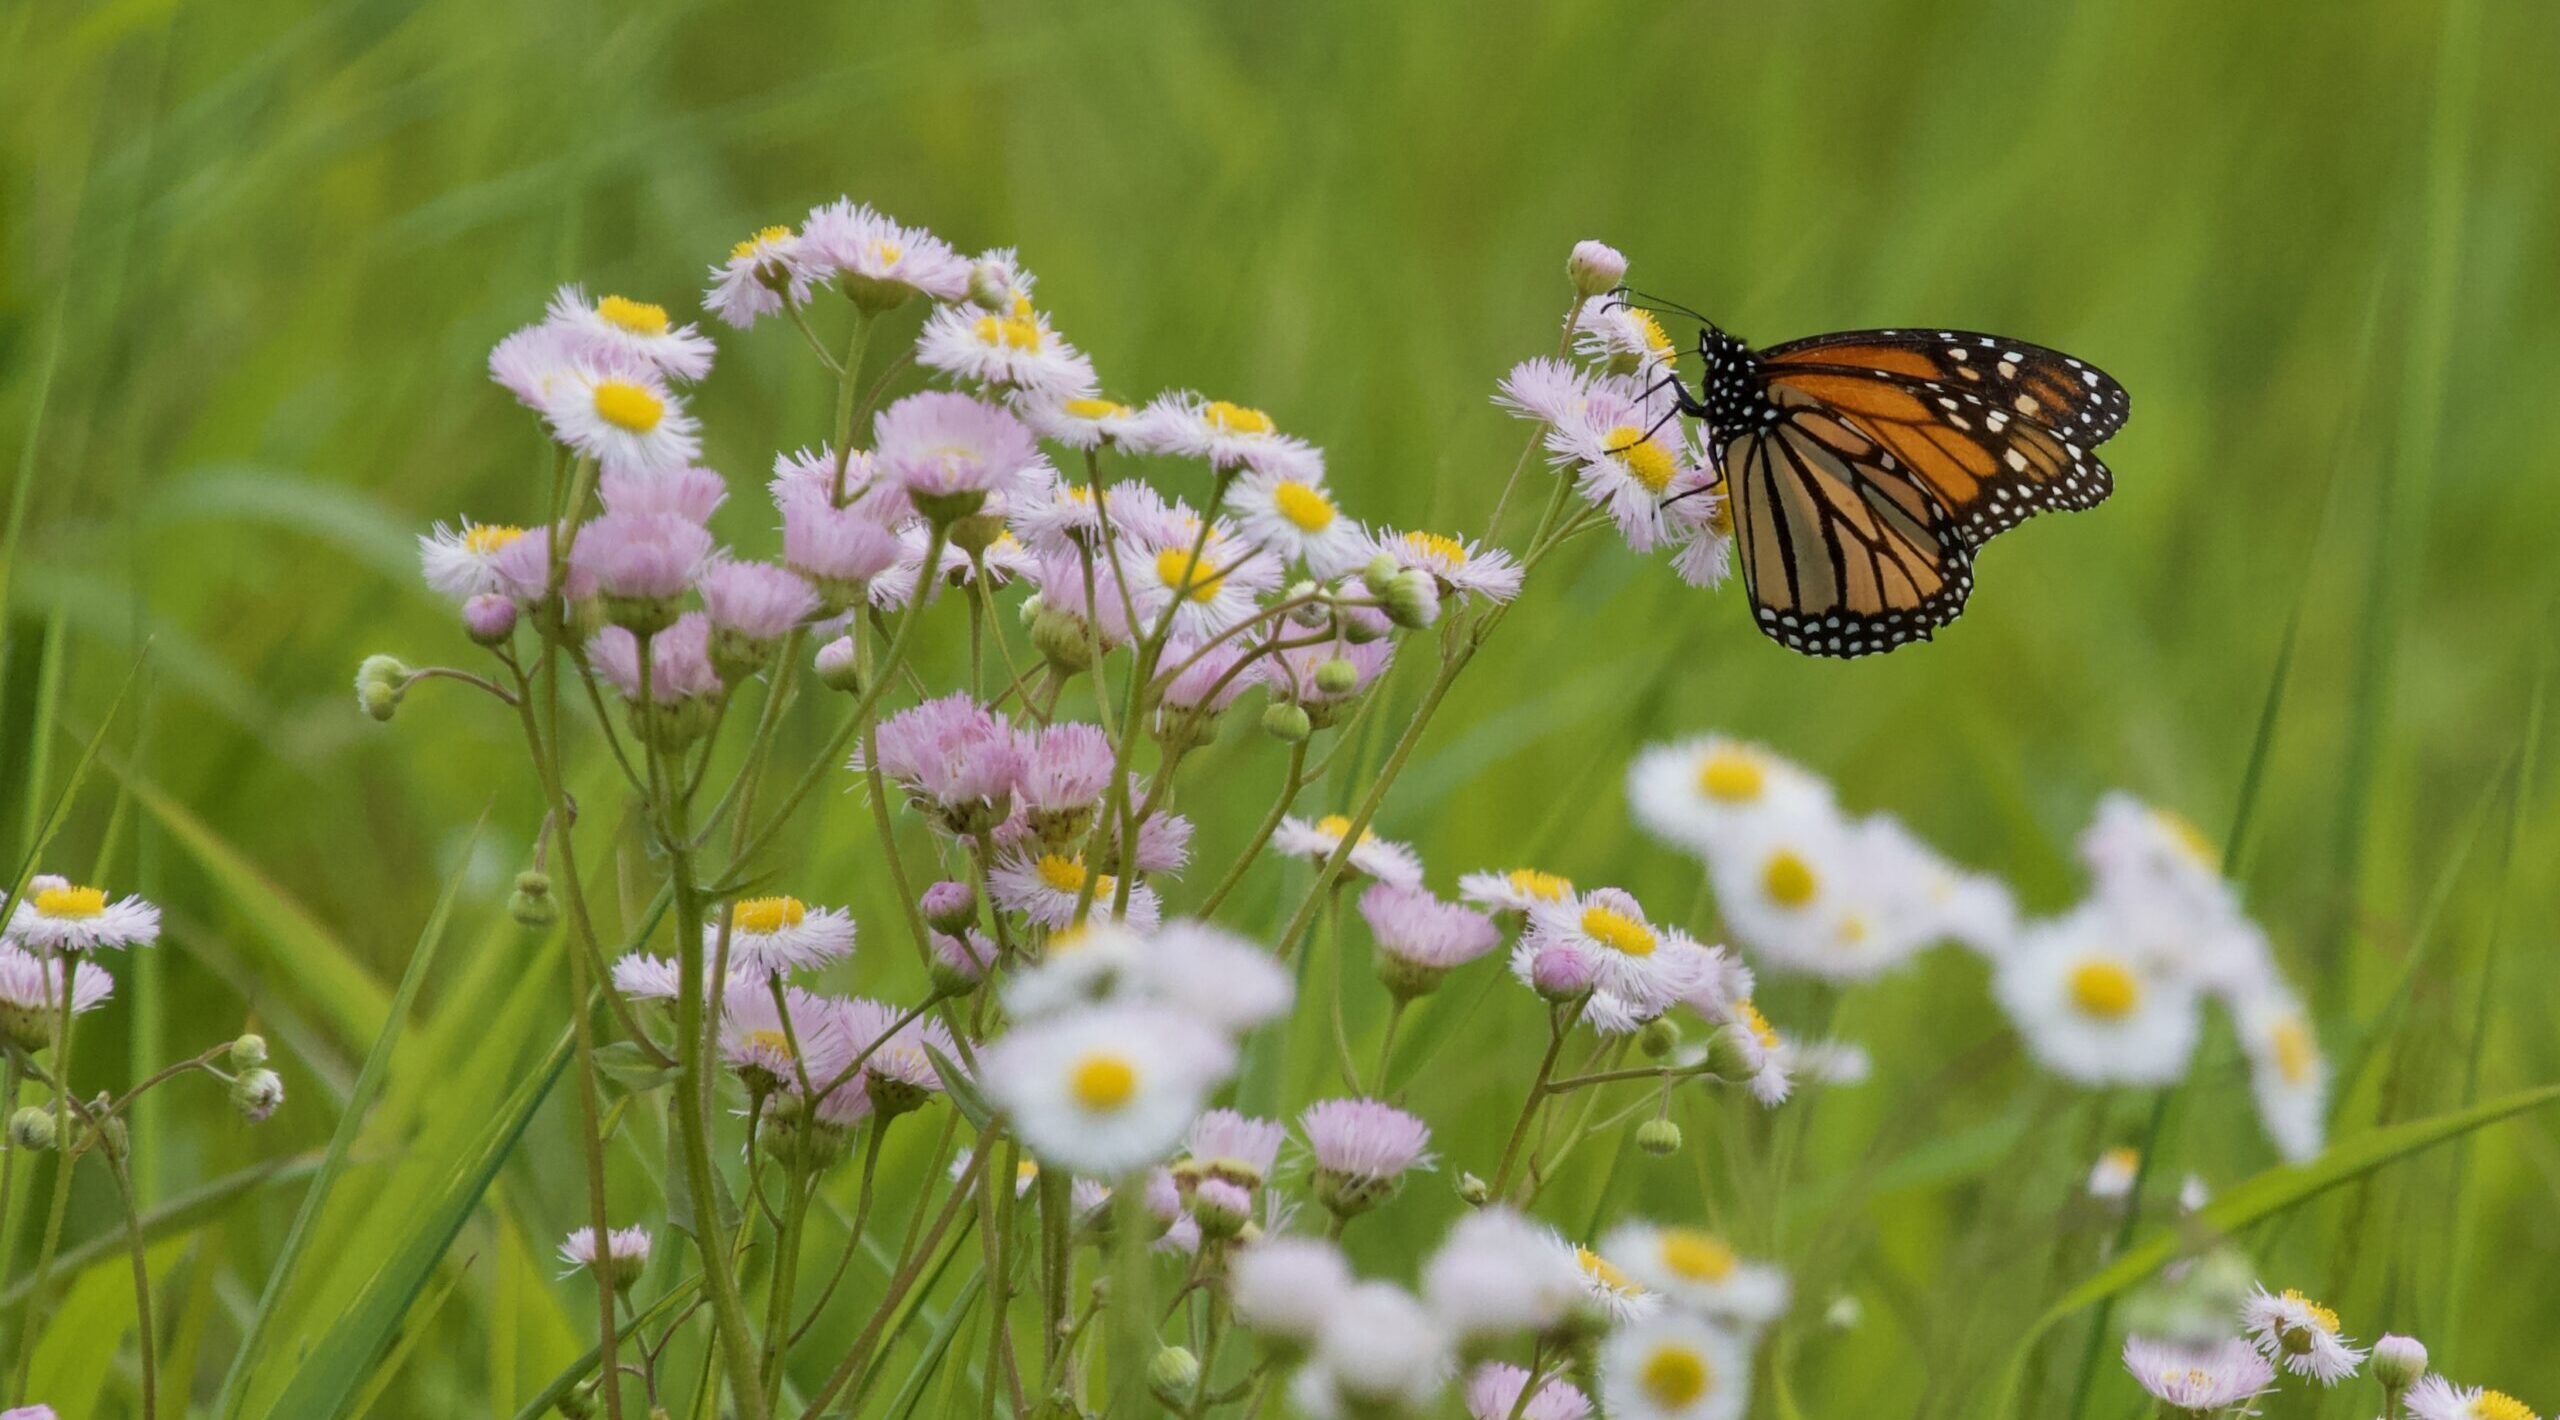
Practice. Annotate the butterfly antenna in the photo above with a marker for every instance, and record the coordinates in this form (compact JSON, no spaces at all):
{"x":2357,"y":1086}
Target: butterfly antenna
{"x":1646,"y":301}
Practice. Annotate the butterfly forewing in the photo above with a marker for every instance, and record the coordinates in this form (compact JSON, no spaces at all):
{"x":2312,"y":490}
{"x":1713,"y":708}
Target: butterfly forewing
{"x":2045,"y":386}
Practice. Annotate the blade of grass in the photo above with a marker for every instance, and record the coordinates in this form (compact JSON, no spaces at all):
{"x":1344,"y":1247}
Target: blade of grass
{"x":178,"y":1217}
{"x":2260,"y":1197}
{"x":369,"y":1082}
{"x":329,"y":1373}
{"x":585,"y":1366}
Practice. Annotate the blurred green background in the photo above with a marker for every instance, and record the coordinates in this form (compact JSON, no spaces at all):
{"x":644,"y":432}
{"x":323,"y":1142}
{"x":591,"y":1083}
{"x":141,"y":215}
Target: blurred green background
{"x":252,"y":256}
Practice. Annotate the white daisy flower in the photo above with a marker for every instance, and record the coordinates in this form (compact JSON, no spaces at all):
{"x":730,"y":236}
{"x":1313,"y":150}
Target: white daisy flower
{"x":1797,"y":893}
{"x":1626,"y":451}
{"x":2093,"y":1011}
{"x":2436,"y":1398}
{"x":1625,"y":340}
{"x":630,"y":330}
{"x":1075,"y":418}
{"x":31,"y":995}
{"x":623,"y":418}
{"x":1283,"y":1288}
{"x":626,"y":1253}
{"x":1461,"y":568}
{"x":879,"y":261}
{"x":773,"y":936}
{"x":1515,"y":891}
{"x":761,"y":274}
{"x":57,"y":917}
{"x":643,"y":977}
{"x":1763,"y":1051}
{"x":1674,"y":1366}
{"x":1296,"y":519}
{"x":1379,"y":1352}
{"x":2112,"y":1176}
{"x":1639,"y":967}
{"x":1316,"y":839}
{"x":2300,"y":1335}
{"x":1044,"y":889}
{"x":1498,"y":1275}
{"x":1608,"y":1291}
{"x":1701,"y":521}
{"x":1014,"y":351}
{"x":2287,"y":1072}
{"x":1105,"y":1091}
{"x":461,"y":562}
{"x":1226,"y":434}
{"x":2151,"y":852}
{"x":2198,"y":1380}
{"x":1697,"y":1271}
{"x":1207,"y":593}
{"x":1700,"y":793}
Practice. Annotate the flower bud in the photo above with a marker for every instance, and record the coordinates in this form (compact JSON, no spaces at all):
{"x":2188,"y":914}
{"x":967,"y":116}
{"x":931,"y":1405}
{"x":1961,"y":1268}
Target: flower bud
{"x":643,"y":616}
{"x":1731,"y":1055}
{"x":579,"y":1401}
{"x":1337,"y":677}
{"x":991,"y":287}
{"x":2398,"y":1361}
{"x":835,"y":666}
{"x":249,"y":1052}
{"x":1221,"y":1207}
{"x":1380,"y":574}
{"x":1562,"y":973}
{"x":380,"y":682}
{"x":977,"y":532}
{"x":1287,"y":722}
{"x":256,"y":1095}
{"x":1594,"y":267}
{"x":532,"y":903}
{"x":1411,"y":600}
{"x":489,"y":618}
{"x":1172,"y":1375}
{"x":1473,"y":1191}
{"x":113,"y":1135}
{"x":1064,"y":640}
{"x":1658,"y":1137}
{"x":31,"y":1128}
{"x":737,"y":656}
{"x":949,"y":906}
{"x":1659,"y":1038}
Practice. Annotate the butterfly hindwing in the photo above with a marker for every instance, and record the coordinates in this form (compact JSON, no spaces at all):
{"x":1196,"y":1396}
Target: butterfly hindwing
{"x":1841,"y":554}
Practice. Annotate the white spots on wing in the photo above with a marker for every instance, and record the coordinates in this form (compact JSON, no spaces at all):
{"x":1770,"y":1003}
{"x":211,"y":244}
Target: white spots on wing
{"x":2017,"y":464}
{"x":2008,"y":370}
{"x":2026,"y":405}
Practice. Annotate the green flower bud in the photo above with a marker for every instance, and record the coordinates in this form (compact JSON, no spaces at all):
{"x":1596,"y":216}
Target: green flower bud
{"x":836,"y":666}
{"x":1172,"y":1375}
{"x":249,"y":1052}
{"x":1287,"y":722}
{"x":31,"y":1128}
{"x":1337,"y":677}
{"x":1659,"y":1038}
{"x":1658,"y":1137}
{"x":1064,"y":639}
{"x":532,"y":903}
{"x":1473,"y":1191}
{"x":977,"y":532}
{"x":256,"y":1094}
{"x":1411,"y":600}
{"x":380,"y":682}
{"x":1380,"y":574}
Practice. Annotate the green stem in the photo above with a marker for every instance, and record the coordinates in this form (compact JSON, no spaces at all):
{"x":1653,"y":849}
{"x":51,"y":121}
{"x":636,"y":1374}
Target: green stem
{"x":40,"y":1293}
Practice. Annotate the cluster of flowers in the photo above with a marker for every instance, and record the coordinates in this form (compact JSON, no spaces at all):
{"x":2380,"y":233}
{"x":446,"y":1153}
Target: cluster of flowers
{"x":2208,"y":1379}
{"x":1082,"y":1030}
{"x":2108,"y":993}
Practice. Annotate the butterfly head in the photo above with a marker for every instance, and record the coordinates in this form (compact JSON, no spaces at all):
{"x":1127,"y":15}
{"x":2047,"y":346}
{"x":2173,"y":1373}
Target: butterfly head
{"x":1730,"y":394}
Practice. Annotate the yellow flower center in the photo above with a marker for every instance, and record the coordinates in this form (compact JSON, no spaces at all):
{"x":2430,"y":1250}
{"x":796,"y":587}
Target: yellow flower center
{"x":1103,"y":1082}
{"x":1731,"y":775}
{"x":2123,"y":1159}
{"x":485,"y":539}
{"x":71,"y":902}
{"x":1440,"y":545}
{"x":1757,"y":1024}
{"x":1072,"y":937}
{"x":1333,"y":826}
{"x":885,"y":252}
{"x":772,"y":1039}
{"x":1788,"y":879}
{"x":637,"y":317}
{"x":1546,"y":887}
{"x":2190,"y":839}
{"x":1010,"y":332}
{"x":1617,"y":931}
{"x":1655,"y":338}
{"x":1722,"y":518}
{"x":2321,"y":1316}
{"x":1095,"y":410}
{"x":1646,"y":459}
{"x":1675,"y":1376}
{"x":1179,"y":570}
{"x":1700,"y":1257}
{"x":1064,"y":874}
{"x":764,"y":916}
{"x":1236,"y":419}
{"x":1601,"y":1270}
{"x":2105,"y":989}
{"x":1853,"y":930}
{"x":2296,"y":1055}
{"x":764,"y":236}
{"x":2498,"y":1405}
{"x":628,"y":407}
{"x":1305,"y":508}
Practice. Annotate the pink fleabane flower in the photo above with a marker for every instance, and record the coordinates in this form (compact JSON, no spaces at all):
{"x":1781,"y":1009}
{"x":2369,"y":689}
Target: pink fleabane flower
{"x":692,"y":493}
{"x":619,"y":327}
{"x":756,"y":600}
{"x":878,"y":261}
{"x":641,"y":556}
{"x":762,"y":273}
{"x":1361,"y":1148}
{"x":1421,"y":938}
{"x":948,"y":450}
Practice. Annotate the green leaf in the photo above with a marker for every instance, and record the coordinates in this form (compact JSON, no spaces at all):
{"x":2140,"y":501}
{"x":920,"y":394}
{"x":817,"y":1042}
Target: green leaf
{"x":2260,"y":1197}
{"x":333,"y":1369}
{"x":625,"y":1065}
{"x":176,"y":1218}
{"x":368,"y":1087}
{"x":964,"y":1094}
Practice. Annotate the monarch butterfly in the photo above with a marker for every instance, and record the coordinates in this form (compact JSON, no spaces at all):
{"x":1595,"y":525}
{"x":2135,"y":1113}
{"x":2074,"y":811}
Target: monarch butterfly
{"x":1863,"y":469}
